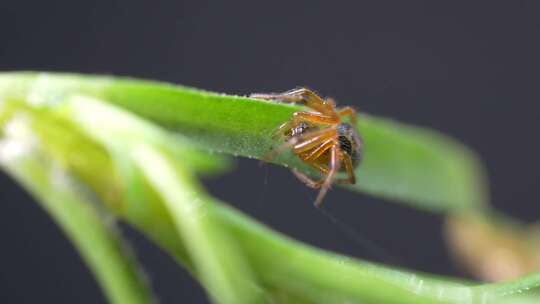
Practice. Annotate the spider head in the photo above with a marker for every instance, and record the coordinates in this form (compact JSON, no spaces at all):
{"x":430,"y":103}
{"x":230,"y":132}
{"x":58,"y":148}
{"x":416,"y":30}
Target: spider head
{"x":350,"y":142}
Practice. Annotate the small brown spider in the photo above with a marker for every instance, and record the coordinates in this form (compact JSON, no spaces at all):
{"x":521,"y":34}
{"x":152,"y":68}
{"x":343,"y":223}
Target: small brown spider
{"x":319,"y":138}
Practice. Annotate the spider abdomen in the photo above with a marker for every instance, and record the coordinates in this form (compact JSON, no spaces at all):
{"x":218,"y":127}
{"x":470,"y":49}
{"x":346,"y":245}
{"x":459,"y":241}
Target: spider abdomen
{"x":345,"y":144}
{"x":350,"y":142}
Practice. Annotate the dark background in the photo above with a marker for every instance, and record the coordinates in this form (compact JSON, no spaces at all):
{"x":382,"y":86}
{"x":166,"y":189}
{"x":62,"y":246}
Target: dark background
{"x":470,"y":69}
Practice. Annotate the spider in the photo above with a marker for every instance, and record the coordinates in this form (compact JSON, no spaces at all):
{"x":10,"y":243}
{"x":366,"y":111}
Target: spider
{"x":319,"y":138}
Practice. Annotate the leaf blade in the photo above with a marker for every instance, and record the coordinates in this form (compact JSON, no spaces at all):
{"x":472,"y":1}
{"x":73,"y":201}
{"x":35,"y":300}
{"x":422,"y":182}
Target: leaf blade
{"x":409,"y":164}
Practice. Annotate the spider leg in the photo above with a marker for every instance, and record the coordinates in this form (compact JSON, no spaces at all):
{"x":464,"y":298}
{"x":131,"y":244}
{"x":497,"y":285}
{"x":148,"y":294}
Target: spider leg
{"x":315,"y":118}
{"x":314,"y":154}
{"x":351,"y":113}
{"x":350,"y":171}
{"x":303,"y":96}
{"x":302,"y":142}
{"x":330,"y":100}
{"x":319,"y":167}
{"x":334,"y":168}
{"x":342,"y":181}
{"x":307,"y":144}
{"x":318,"y":151}
{"x":317,"y":184}
{"x":306,"y":180}
{"x":304,"y":117}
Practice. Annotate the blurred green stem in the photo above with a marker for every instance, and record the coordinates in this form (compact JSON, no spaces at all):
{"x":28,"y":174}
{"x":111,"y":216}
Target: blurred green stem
{"x":91,"y":230}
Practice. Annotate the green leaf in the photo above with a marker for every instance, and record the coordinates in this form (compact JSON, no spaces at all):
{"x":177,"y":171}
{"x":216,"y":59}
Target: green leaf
{"x":417,"y":166}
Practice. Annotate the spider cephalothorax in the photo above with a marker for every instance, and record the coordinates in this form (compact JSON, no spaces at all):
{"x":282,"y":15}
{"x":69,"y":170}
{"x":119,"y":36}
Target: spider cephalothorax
{"x":320,"y":138}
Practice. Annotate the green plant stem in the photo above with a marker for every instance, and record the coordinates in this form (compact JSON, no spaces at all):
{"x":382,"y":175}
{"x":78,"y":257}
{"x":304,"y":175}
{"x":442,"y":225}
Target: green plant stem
{"x":219,"y":263}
